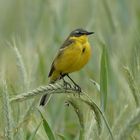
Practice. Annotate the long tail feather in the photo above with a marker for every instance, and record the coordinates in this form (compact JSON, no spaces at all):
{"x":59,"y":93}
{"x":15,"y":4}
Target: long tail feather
{"x":44,"y":99}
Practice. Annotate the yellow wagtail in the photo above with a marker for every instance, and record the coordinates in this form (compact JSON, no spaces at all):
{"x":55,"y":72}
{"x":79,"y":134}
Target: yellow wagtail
{"x":72,"y":56}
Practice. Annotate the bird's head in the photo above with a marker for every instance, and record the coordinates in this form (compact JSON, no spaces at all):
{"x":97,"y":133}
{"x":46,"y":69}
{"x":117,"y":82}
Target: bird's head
{"x":80,"y":34}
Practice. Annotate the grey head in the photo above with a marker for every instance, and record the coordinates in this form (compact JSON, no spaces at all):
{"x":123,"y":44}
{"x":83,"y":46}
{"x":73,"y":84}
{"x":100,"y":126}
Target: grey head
{"x":80,"y":32}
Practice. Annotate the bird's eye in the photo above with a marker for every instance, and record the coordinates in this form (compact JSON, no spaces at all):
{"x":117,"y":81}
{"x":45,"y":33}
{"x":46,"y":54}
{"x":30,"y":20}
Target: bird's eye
{"x":78,"y":32}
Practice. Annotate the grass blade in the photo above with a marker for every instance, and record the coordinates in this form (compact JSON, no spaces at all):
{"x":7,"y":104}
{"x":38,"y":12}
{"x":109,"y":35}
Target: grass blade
{"x":47,"y":128}
{"x":104,"y":78}
{"x":80,"y":115}
{"x":61,"y":137}
{"x":97,"y":114}
{"x":78,"y":111}
{"x":96,"y":85}
{"x":35,"y":131}
{"x":94,"y":106}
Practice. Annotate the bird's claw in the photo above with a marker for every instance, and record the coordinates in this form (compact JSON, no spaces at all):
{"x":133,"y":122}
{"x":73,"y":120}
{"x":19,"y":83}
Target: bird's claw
{"x":78,"y":88}
{"x":67,"y":85}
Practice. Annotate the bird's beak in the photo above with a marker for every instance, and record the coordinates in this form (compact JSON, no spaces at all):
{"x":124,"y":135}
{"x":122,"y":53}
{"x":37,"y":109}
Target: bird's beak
{"x":89,"y":33}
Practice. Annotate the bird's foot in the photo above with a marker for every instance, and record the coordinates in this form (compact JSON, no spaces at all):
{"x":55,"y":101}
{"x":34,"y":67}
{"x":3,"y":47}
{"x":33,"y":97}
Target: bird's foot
{"x":78,"y":89}
{"x":66,"y":85}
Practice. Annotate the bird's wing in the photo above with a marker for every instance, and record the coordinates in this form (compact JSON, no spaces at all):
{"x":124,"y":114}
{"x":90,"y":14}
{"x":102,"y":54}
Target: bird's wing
{"x":66,"y":44}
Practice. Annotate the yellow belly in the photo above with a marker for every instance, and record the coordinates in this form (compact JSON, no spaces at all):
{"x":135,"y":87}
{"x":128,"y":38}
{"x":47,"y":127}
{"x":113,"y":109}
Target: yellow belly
{"x":73,"y":58}
{"x":84,"y":58}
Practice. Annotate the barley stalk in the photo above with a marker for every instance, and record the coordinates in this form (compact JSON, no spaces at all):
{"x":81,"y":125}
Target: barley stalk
{"x":130,"y":126}
{"x":20,"y":64}
{"x":49,"y":89}
{"x":133,"y":86}
{"x":7,"y":113}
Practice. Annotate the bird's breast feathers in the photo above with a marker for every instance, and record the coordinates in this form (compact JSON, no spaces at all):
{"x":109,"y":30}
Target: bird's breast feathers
{"x":73,"y":57}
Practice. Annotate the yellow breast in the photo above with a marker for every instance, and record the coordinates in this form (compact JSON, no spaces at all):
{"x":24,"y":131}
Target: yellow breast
{"x":80,"y":58}
{"x":74,"y":57}
{"x":84,"y":57}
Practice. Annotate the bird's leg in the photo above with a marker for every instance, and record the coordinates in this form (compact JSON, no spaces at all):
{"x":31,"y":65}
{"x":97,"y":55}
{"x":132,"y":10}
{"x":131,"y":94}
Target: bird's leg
{"x":77,"y":87}
{"x":66,"y":84}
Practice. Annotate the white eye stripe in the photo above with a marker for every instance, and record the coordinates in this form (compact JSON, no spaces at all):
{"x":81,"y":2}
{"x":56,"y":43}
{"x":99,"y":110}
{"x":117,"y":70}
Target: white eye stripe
{"x":77,"y":32}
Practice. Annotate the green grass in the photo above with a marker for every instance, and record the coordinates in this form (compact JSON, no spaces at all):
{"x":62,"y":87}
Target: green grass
{"x":31,"y":33}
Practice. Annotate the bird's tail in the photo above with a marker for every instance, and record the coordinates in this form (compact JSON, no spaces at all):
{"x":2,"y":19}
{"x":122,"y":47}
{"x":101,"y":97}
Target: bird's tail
{"x":53,"y":78}
{"x":45,"y":98}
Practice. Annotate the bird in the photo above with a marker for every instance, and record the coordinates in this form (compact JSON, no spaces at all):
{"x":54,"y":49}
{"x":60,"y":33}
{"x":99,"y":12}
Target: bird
{"x":72,"y":56}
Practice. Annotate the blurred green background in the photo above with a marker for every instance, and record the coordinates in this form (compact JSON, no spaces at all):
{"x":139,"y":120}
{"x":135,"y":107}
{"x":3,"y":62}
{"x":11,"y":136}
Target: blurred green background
{"x":37,"y":28}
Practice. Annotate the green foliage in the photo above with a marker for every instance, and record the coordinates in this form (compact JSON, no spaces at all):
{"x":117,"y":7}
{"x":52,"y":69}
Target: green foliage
{"x":78,"y":111}
{"x":104,"y":78}
{"x":34,"y":31}
{"x":47,"y":128}
{"x":80,"y":116}
{"x":133,"y":86}
{"x":130,"y":126}
{"x":98,"y":115}
{"x":61,"y":137}
{"x":35,"y":131}
{"x":7,"y":114}
{"x":94,"y":107}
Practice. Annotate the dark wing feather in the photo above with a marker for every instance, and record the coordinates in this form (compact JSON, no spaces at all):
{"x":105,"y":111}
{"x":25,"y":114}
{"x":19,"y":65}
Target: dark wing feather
{"x":64,"y":45}
{"x":51,"y":71}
